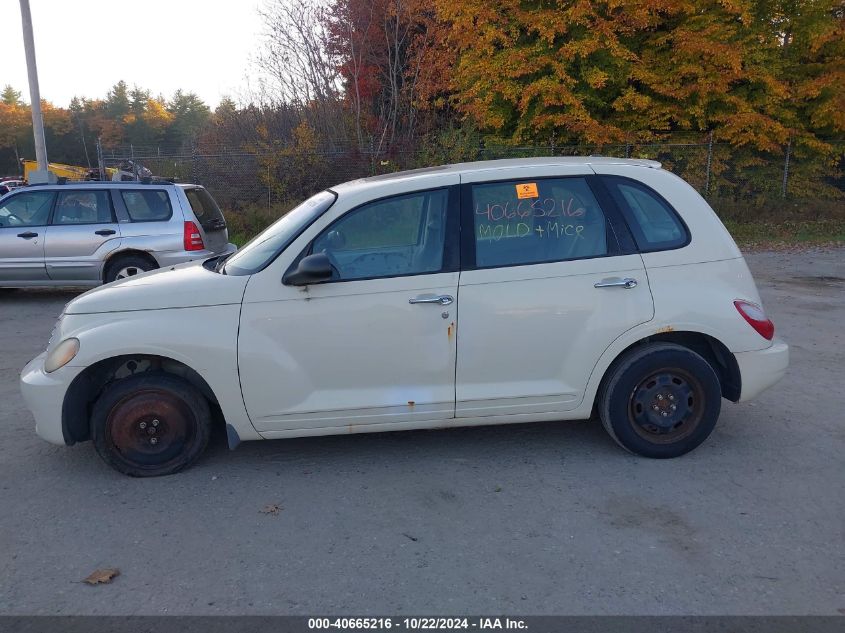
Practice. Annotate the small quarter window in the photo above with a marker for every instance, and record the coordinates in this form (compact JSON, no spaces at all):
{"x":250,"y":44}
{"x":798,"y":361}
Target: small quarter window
{"x":536,"y":221}
{"x":653,"y":222}
{"x":147,"y":205}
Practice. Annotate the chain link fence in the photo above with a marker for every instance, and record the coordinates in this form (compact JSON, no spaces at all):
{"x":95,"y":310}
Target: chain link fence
{"x":722,"y":173}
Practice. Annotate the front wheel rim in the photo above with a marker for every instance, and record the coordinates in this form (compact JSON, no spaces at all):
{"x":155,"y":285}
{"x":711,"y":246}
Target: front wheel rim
{"x":151,"y":429}
{"x":667,"y":406}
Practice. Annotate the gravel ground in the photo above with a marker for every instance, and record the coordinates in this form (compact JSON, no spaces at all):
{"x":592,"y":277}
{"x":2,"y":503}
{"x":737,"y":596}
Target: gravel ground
{"x":531,"y":519}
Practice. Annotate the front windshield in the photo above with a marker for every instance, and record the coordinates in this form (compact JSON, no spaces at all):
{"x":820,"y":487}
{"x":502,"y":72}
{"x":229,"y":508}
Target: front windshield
{"x":264,"y":247}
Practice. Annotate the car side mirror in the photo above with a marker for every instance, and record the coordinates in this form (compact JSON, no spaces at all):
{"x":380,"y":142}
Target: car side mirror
{"x":310,"y":270}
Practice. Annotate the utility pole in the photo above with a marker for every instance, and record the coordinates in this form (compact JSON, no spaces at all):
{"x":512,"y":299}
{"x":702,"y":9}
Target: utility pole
{"x":42,"y":175}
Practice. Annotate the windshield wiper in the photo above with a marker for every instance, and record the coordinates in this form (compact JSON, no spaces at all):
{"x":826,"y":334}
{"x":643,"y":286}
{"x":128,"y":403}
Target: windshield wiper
{"x":218,"y":267}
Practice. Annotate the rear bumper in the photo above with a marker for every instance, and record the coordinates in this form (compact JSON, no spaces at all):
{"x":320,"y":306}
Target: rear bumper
{"x":761,"y":369}
{"x":172,"y":258}
{"x":44,"y":395}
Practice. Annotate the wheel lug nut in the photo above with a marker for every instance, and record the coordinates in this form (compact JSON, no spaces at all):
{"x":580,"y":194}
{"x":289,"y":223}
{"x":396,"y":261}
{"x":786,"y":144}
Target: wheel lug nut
{"x":655,"y":407}
{"x":665,"y":413}
{"x":660,"y":396}
{"x":671,"y":397}
{"x":673,"y":407}
{"x":155,"y":422}
{"x":143,"y":425}
{"x":153,"y":440}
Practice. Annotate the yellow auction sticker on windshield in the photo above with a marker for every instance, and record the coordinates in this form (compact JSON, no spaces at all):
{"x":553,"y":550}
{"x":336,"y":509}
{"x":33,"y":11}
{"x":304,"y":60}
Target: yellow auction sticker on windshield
{"x":527,"y":190}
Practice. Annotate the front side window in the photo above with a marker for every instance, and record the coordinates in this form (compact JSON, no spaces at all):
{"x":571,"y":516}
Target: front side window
{"x":536,"y":221}
{"x":83,"y":207}
{"x":31,"y":208}
{"x":148,"y":205}
{"x":653,"y":222}
{"x":403,"y":235}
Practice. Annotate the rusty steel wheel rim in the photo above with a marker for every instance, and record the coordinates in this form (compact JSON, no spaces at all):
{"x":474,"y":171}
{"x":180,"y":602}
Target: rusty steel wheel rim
{"x":667,"y":406}
{"x":150,"y":429}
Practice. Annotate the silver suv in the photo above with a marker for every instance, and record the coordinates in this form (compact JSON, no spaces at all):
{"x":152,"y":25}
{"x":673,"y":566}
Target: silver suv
{"x":84,"y":234}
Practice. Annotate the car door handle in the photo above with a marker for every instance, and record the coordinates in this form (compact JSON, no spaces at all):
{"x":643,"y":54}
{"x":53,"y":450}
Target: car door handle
{"x":27,"y":235}
{"x":441,"y":300}
{"x":616,"y":282}
{"x":105,"y":232}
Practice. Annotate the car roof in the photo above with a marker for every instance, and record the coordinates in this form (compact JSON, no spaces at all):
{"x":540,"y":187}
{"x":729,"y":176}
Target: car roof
{"x":492,"y":165}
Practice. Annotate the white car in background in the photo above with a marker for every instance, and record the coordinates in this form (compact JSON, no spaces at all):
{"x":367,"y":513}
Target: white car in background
{"x":9,"y":184}
{"x":470,"y":294}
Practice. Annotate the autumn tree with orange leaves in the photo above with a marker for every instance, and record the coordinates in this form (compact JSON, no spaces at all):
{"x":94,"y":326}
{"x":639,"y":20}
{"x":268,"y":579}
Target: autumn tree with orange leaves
{"x":755,"y":73}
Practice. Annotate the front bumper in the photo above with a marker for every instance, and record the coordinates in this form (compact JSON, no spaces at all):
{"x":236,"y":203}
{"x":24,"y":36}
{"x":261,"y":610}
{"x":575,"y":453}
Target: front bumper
{"x":44,"y":394}
{"x":762,"y":368}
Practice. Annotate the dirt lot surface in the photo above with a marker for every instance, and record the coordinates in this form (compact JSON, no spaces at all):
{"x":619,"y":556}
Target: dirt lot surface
{"x":528,"y":519}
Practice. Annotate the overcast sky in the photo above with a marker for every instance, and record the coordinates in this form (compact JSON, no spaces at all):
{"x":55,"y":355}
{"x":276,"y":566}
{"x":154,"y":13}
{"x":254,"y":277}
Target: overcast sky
{"x":83,"y":47}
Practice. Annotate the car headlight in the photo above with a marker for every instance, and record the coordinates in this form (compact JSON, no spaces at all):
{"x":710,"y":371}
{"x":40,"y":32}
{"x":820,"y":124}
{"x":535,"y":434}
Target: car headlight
{"x":61,"y":355}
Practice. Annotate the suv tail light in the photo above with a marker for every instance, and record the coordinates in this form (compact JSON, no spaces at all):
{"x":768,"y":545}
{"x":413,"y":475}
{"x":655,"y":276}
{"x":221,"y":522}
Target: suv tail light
{"x":756,"y":318}
{"x":193,"y":237}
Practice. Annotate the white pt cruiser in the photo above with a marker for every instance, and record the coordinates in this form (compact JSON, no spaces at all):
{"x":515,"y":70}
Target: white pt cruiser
{"x":470,"y":294}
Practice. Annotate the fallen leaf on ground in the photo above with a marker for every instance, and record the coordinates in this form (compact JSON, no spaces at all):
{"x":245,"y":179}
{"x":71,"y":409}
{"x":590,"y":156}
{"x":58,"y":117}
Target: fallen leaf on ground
{"x":272,"y":508}
{"x":102,"y":576}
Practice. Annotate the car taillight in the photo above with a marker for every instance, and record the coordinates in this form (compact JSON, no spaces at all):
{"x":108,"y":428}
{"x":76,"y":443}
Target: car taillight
{"x":193,"y":237}
{"x":756,"y":318}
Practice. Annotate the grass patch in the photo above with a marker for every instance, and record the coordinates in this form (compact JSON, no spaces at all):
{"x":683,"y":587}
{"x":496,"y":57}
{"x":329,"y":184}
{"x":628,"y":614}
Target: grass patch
{"x":783,"y":223}
{"x":779,"y":234}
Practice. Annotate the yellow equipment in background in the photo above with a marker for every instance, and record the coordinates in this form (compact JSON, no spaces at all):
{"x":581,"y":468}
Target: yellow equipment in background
{"x":71,"y":172}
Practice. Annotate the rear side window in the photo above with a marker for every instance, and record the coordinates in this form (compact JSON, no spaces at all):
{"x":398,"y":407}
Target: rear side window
{"x":147,"y":205}
{"x":536,"y":221}
{"x":655,"y":224}
{"x":83,"y":207}
{"x":205,"y":208}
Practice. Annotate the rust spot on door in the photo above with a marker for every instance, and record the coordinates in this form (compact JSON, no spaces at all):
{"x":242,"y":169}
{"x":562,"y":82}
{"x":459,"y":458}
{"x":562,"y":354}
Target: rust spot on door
{"x":450,"y":331}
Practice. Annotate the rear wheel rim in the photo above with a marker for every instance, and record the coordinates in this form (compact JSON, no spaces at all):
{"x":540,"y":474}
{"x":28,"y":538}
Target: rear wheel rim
{"x":128,"y":271}
{"x":151,"y":429}
{"x":667,"y":406}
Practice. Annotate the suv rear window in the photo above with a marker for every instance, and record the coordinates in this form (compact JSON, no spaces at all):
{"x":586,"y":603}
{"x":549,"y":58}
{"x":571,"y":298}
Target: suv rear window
{"x":653,"y":222}
{"x":205,"y":208}
{"x":147,"y":205}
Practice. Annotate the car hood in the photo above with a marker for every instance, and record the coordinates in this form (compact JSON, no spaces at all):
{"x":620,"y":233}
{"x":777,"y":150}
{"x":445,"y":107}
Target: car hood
{"x":184,"y":286}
